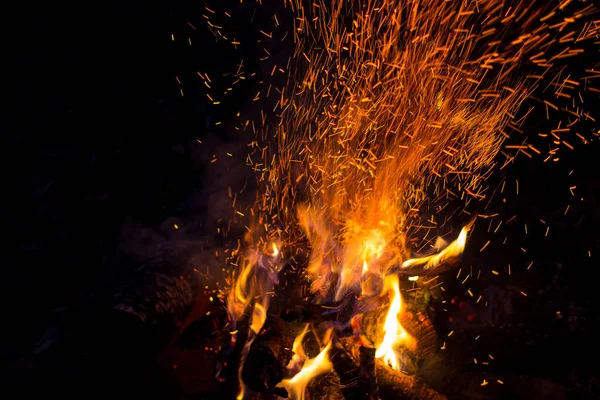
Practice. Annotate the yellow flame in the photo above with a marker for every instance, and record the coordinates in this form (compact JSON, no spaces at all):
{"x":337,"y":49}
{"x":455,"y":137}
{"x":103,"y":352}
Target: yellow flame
{"x":259,"y":316}
{"x":239,"y":296}
{"x":312,"y":368}
{"x":362,"y":253}
{"x":395,"y":335}
{"x":365,"y":267}
{"x":274,"y":250}
{"x":247,"y":288}
{"x":299,"y":355}
{"x":454,"y":249}
{"x":367,"y":136}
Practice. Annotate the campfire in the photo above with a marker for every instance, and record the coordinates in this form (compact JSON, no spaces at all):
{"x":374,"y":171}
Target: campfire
{"x":354,"y":325}
{"x":313,"y":199}
{"x":396,"y":115}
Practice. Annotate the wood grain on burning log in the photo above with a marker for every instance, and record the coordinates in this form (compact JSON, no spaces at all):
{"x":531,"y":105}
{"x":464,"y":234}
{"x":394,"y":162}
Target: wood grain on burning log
{"x":418,"y":326}
{"x":361,"y":376}
{"x":421,"y":328}
{"x":357,"y":377}
{"x":395,"y":385}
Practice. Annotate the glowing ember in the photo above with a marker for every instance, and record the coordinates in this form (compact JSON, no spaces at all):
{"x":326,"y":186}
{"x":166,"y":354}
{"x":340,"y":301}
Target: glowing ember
{"x":395,"y":335}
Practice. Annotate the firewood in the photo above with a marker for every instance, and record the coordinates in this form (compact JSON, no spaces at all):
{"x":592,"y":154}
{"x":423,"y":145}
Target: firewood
{"x":421,"y":270}
{"x":341,"y":311}
{"x":395,"y":385}
{"x":268,"y":356}
{"x":355,"y":368}
{"x":367,"y":375}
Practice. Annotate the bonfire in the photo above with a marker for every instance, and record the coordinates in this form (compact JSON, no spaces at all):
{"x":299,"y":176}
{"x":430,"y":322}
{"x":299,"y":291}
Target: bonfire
{"x":395,"y":115}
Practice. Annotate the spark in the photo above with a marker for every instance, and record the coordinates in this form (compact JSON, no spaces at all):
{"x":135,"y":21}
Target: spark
{"x":386,"y":122}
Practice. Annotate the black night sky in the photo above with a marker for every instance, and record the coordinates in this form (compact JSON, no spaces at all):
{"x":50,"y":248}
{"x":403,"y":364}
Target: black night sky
{"x":101,"y":143}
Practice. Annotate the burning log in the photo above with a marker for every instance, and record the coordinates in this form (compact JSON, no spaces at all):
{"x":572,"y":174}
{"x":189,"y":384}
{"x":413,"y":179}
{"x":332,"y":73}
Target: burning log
{"x":421,"y":328}
{"x":357,"y":382}
{"x":394,"y":385}
{"x":440,"y":262}
{"x":340,"y":311}
{"x":268,"y":356}
{"x":362,"y":377}
{"x":229,"y":363}
{"x":423,"y":270}
{"x":367,"y":376}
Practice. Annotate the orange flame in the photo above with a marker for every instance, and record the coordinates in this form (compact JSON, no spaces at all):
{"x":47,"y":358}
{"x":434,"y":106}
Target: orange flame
{"x":395,"y":335}
{"x":453,"y":250}
{"x":299,"y":355}
{"x":259,"y":315}
{"x":394,"y":105}
{"x":248,"y":287}
{"x":312,"y":368}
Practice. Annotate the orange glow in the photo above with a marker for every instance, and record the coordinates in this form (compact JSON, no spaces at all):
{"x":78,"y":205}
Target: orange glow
{"x":368,"y":135}
{"x":299,"y":355}
{"x":394,"y":333}
{"x":246,"y":287}
{"x":257,"y":277}
{"x":395,"y":114}
{"x":274,"y":250}
{"x":453,"y":250}
{"x":312,"y":368}
{"x":259,"y":315}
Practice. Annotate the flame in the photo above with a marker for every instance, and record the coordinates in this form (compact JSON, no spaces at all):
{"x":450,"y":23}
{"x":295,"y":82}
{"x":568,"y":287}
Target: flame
{"x":392,"y":107}
{"x":257,"y":277}
{"x":299,"y":355}
{"x":312,"y":368}
{"x":361,"y":257}
{"x":453,"y":250}
{"x":395,"y":335}
{"x":358,"y":256}
{"x":365,"y":267}
{"x":239,"y":296}
{"x":259,"y":315}
{"x":246,"y":286}
{"x":274,"y":250}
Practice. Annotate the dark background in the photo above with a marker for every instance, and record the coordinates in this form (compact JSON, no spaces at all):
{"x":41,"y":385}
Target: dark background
{"x":98,"y":136}
{"x":101,"y":133}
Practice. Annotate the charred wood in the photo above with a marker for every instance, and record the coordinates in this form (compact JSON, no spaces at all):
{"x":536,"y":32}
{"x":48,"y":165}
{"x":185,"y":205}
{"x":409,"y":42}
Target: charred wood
{"x":366,"y":374}
{"x":358,"y":380}
{"x":268,"y":356}
{"x":341,"y":311}
{"x":395,"y":385}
